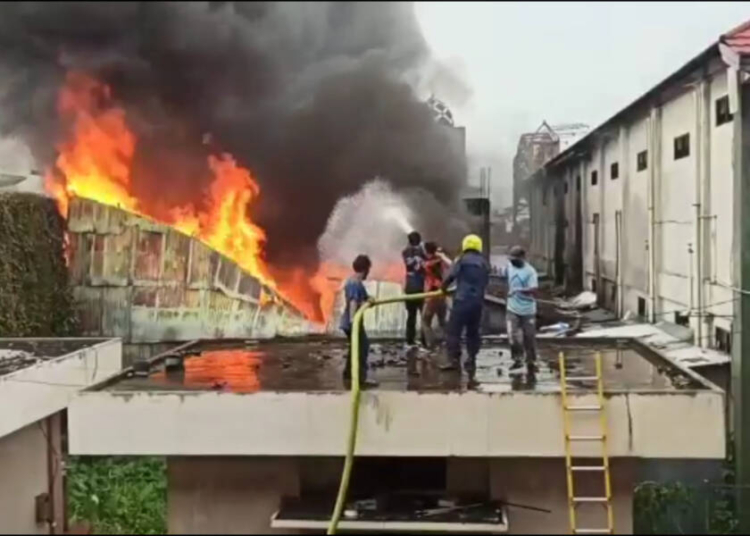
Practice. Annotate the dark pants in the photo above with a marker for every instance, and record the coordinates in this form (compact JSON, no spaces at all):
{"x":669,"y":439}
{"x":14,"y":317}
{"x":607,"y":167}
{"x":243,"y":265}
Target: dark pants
{"x":464,"y":316}
{"x":364,"y":349}
{"x":413,"y":310}
{"x":522,"y":336}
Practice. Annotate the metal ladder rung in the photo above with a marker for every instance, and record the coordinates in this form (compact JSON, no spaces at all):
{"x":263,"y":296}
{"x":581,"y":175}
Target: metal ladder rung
{"x":585,"y":438}
{"x":584,"y":408}
{"x":593,"y":531}
{"x":590,"y":499}
{"x":587,"y":468}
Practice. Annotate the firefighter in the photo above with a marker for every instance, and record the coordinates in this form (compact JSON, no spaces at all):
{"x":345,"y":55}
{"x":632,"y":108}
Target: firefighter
{"x":471,"y":272}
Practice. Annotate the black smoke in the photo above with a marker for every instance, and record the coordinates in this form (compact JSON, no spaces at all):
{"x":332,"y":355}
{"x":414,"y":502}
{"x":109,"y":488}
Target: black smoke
{"x":315,"y":98}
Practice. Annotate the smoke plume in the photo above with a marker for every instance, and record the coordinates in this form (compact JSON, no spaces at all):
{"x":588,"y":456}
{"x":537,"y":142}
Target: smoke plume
{"x":315,"y":98}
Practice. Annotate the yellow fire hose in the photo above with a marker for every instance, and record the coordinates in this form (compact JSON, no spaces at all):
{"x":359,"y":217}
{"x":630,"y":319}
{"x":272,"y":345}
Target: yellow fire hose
{"x":354,"y":422}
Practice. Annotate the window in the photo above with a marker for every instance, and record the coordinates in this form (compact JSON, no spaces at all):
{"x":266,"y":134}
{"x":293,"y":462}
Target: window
{"x":614,"y":171}
{"x":593,"y":285}
{"x":722,"y":111}
{"x":682,"y":146}
{"x":594,"y":178}
{"x":682,"y":319}
{"x":642,"y":162}
{"x":723,"y":341}
{"x":565,"y":188}
{"x":642,"y":307}
{"x":578,"y":183}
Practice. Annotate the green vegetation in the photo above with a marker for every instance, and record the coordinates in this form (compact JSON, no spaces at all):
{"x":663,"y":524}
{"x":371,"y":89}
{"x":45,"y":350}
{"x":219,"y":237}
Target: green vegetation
{"x":34,"y":294}
{"x":118,"y":495}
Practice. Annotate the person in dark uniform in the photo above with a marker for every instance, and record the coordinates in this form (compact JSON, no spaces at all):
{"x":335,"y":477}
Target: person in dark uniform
{"x":471,"y":273}
{"x":414,"y":259}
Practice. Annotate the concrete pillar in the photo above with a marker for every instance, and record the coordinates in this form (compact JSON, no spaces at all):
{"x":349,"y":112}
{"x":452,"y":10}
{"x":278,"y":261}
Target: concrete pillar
{"x":741,"y":327}
{"x":227,"y":495}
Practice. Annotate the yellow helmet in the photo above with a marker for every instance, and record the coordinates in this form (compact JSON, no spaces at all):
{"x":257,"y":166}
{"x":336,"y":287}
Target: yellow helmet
{"x":471,"y":241}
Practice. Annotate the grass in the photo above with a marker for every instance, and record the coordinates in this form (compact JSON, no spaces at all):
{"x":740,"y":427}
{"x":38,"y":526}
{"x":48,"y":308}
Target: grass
{"x":118,"y":495}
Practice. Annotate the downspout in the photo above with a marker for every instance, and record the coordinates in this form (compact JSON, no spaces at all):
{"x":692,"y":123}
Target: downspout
{"x":697,"y":227}
{"x":652,"y":159}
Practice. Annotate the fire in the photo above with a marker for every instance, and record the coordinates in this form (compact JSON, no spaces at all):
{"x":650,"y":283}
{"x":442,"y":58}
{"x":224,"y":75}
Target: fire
{"x":95,"y":161}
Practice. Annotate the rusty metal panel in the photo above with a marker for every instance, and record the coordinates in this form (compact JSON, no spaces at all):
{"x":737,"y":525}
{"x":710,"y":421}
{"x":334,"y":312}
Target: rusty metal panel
{"x":80,"y":216}
{"x":148,"y":255}
{"x":80,"y":255}
{"x":97,"y":264}
{"x":203,"y":263}
{"x":249,"y":286}
{"x":228,"y":274}
{"x":88,"y":302}
{"x":144,"y":297}
{"x":118,"y":256}
{"x":176,"y":255}
{"x":170,"y":297}
{"x":100,"y":218}
{"x":116,"y":311}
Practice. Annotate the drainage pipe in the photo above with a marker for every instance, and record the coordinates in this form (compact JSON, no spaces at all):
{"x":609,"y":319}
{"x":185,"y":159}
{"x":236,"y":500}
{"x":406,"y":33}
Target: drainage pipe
{"x":354,"y":417}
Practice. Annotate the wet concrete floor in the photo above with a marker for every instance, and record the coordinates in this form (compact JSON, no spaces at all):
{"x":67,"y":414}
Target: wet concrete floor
{"x":318,"y":366}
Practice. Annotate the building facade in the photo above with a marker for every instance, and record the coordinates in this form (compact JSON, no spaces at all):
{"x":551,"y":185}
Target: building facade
{"x":641,"y":209}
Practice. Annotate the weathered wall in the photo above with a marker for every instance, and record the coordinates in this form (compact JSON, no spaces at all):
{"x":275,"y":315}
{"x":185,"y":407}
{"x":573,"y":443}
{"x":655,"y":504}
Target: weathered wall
{"x":147,"y":283}
{"x":33,"y":277}
{"x":239,"y":495}
{"x":391,"y":423}
{"x":227,"y":495}
{"x":704,"y":177}
{"x":23,"y":465}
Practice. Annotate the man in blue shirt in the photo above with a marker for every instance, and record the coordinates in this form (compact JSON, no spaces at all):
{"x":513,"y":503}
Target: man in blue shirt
{"x":414,"y":259}
{"x":471,"y":274}
{"x":521,"y":310}
{"x":355,"y":295}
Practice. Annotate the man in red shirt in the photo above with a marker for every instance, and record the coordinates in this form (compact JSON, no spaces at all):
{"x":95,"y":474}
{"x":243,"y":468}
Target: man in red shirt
{"x":435,"y":264}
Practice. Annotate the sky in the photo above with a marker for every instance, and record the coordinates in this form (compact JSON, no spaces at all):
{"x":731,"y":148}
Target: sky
{"x":562,"y":62}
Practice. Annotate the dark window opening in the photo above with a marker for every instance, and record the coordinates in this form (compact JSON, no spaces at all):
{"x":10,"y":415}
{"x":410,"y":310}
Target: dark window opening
{"x":642,"y":307}
{"x":682,"y":319}
{"x":578,"y":183}
{"x":723,"y":115}
{"x":614,"y":170}
{"x":723,"y":341}
{"x":682,"y":146}
{"x":565,"y":188}
{"x":593,"y":285}
{"x":594,"y":178}
{"x":642,"y":161}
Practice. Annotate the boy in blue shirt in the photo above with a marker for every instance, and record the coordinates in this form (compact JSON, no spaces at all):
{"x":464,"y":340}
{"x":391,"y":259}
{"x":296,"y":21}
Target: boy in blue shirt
{"x":355,"y":295}
{"x":521,"y":310}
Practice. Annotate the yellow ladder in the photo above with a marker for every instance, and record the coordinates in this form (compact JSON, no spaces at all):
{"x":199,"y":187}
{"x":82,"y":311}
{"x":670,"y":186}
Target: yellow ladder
{"x":570,"y":439}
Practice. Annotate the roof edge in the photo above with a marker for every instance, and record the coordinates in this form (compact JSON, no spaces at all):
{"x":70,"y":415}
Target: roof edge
{"x":689,"y":66}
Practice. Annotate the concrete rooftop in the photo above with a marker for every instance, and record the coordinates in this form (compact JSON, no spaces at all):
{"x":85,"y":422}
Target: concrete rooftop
{"x":316,"y":365}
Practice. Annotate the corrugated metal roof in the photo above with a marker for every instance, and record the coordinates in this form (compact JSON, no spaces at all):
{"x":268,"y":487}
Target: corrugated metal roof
{"x":739,"y":39}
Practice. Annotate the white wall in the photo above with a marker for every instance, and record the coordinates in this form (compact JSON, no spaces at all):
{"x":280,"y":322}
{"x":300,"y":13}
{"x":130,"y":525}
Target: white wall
{"x":23,"y":466}
{"x":392,"y":423}
{"x":676,"y":194}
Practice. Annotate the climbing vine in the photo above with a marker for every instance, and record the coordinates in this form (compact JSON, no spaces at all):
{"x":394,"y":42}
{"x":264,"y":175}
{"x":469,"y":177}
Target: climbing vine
{"x":34,"y":293}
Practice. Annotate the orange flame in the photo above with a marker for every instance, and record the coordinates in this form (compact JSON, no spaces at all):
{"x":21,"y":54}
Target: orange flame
{"x":95,"y":162}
